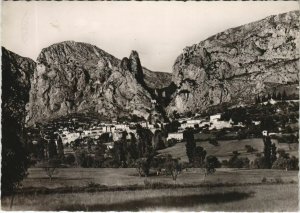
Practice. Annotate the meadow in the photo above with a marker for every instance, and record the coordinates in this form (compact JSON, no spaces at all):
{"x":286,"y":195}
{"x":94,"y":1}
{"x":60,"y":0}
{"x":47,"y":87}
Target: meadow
{"x":238,"y":190}
{"x":121,"y":189}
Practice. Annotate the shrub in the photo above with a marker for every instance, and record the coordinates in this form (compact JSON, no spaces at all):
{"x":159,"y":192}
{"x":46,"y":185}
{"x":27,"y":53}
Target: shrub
{"x":92,"y":184}
{"x":225,"y":163}
{"x":171,"y":142}
{"x":211,"y":163}
{"x":143,"y":166}
{"x":259,"y":163}
{"x":236,"y":162}
{"x":249,"y":149}
{"x":264,"y":180}
{"x":69,"y":159}
{"x":278,"y":180}
{"x":213,"y":142}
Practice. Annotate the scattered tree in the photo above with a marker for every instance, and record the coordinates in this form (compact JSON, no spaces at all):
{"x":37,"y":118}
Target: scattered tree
{"x":211,"y":164}
{"x":188,"y":137}
{"x":172,"y":167}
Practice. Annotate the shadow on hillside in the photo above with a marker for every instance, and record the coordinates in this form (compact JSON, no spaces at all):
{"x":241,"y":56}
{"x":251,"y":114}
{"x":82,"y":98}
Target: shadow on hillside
{"x":163,"y":202}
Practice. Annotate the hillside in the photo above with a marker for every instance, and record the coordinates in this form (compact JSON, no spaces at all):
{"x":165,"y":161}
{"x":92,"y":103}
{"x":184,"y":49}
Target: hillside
{"x":236,"y":65}
{"x":225,"y":149}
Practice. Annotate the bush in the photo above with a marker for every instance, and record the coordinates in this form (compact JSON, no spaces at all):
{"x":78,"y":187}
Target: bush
{"x":264,"y":180}
{"x":225,"y":163}
{"x":143,"y":166}
{"x":259,"y":163}
{"x":171,"y":142}
{"x":249,"y":149}
{"x":278,"y":180}
{"x":211,"y":163}
{"x":286,"y":163}
{"x":69,"y":159}
{"x":213,"y":142}
{"x":92,"y":184}
{"x":236,"y":162}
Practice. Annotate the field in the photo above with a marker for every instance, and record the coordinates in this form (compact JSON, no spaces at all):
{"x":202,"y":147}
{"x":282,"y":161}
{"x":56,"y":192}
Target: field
{"x":238,"y":190}
{"x":225,"y":148}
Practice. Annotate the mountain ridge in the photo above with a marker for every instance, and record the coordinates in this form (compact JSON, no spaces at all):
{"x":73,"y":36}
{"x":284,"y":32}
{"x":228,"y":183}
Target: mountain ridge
{"x":236,"y":65}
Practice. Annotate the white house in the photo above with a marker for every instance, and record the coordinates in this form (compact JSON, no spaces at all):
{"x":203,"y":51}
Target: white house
{"x":215,"y":122}
{"x":175,"y":135}
{"x":68,"y":137}
{"x":265,"y":133}
{"x":214,"y":118}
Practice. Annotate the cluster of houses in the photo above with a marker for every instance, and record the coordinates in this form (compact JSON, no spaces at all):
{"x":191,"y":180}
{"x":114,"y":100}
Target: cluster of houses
{"x":69,"y":133}
{"x":114,"y":129}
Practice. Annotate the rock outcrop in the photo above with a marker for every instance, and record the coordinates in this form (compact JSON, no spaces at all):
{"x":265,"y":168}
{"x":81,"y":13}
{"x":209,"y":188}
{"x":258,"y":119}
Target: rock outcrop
{"x":235,"y":65}
{"x":73,"y":77}
{"x":17,"y":72}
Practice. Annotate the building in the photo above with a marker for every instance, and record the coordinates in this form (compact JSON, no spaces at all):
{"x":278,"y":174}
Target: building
{"x":175,"y":135}
{"x":214,"y":118}
{"x":215,"y":122}
{"x":265,"y":133}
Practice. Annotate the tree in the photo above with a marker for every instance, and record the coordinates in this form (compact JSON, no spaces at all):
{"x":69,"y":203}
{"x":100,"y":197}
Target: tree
{"x":144,"y":141}
{"x":172,"y":167}
{"x":14,"y":161}
{"x":269,"y":152}
{"x":274,"y":96}
{"x":52,"y":149}
{"x":188,"y":137}
{"x":279,"y":96}
{"x":60,"y":148}
{"x":142,"y":166}
{"x":69,"y":159}
{"x":173,"y":126}
{"x":41,"y":146}
{"x":284,"y":96}
{"x":199,"y":156}
{"x":133,"y":152}
{"x":211,"y":164}
{"x":50,"y":167}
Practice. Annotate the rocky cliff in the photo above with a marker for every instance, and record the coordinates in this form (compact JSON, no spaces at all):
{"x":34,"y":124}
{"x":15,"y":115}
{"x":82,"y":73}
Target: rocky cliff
{"x":235,"y":65}
{"x":73,"y":77}
{"x":17,"y":72}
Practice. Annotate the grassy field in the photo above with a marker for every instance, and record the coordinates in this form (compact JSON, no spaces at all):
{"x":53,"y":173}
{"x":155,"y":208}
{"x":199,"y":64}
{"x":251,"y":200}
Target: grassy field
{"x":242,"y":198}
{"x":226,"y":190}
{"x":225,"y":148}
{"x":242,"y":190}
{"x":81,"y":177}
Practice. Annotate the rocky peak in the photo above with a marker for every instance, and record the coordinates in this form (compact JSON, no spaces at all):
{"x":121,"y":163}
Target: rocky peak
{"x":74,"y":77}
{"x":235,"y":65}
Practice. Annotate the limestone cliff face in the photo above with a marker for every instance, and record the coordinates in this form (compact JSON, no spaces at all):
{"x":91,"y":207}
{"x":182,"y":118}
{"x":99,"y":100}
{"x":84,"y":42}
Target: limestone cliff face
{"x":237,"y":64}
{"x":73,"y":77}
{"x":17,"y":72}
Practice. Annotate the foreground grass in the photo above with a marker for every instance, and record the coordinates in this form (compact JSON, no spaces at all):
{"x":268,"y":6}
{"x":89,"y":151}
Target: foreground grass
{"x":241,"y":198}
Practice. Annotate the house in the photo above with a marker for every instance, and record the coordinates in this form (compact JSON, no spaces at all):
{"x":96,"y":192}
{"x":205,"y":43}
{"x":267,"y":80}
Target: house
{"x":175,"y":135}
{"x":214,"y":118}
{"x":256,"y":122}
{"x":215,"y":122}
{"x":187,"y":125}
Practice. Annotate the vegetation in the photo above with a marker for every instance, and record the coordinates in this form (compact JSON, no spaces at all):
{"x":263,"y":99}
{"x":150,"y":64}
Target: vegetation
{"x":188,"y":137}
{"x":14,"y":155}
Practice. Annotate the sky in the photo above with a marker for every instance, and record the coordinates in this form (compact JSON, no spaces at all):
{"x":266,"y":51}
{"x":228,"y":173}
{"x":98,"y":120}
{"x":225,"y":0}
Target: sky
{"x":159,"y":31}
